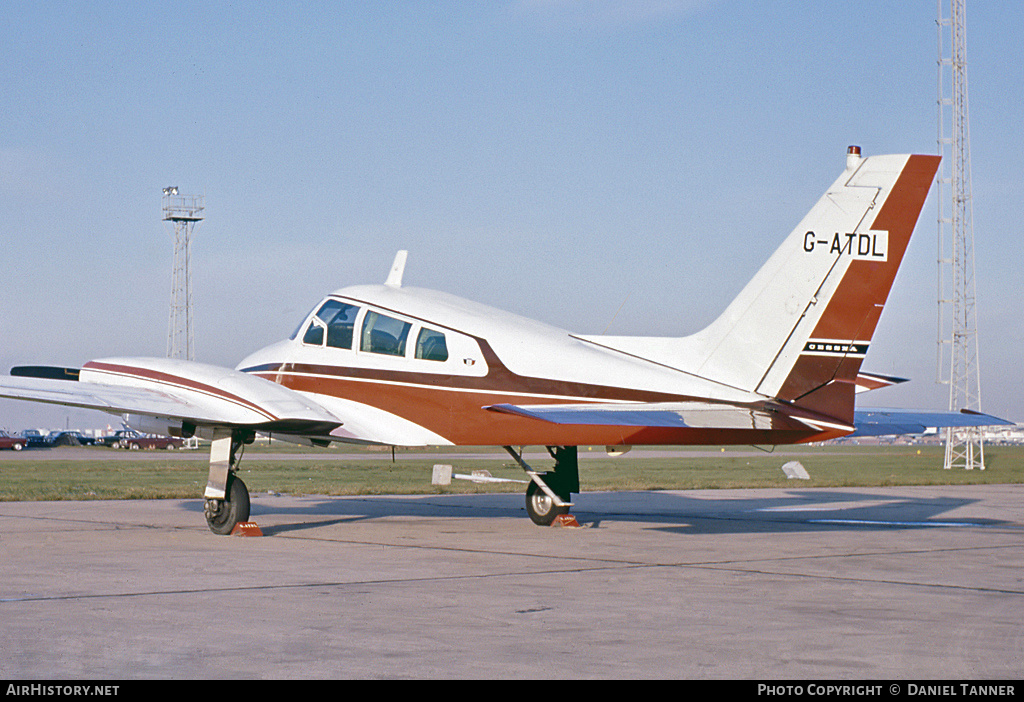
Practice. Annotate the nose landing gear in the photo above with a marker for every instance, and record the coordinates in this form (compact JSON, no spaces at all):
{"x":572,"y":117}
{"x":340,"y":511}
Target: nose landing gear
{"x":227,"y":497}
{"x":223,"y":515}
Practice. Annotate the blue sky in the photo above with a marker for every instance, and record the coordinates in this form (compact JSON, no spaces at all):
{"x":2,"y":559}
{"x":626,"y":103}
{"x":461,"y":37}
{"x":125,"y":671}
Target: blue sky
{"x":557,"y":159}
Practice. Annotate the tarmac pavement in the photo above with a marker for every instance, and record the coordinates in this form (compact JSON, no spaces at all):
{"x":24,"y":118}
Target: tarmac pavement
{"x":910,"y":583}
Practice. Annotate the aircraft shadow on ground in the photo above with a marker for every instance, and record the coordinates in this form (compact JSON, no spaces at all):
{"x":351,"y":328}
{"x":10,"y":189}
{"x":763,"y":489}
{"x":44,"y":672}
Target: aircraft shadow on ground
{"x":803,"y":511}
{"x":673,"y":512}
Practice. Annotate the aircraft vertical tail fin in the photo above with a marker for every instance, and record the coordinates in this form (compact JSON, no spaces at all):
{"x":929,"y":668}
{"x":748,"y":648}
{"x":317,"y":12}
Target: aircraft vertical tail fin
{"x":800,"y":328}
{"x":817,"y":367}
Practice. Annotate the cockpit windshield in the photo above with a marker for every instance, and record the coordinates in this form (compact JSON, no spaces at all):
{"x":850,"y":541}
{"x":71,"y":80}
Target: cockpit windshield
{"x":335,"y":322}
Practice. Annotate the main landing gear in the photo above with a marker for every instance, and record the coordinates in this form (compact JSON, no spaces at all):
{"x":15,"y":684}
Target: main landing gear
{"x":550,"y":494}
{"x":227,"y":498}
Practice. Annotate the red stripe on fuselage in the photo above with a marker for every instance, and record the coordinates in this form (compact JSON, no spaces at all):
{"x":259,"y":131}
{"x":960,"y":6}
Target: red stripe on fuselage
{"x":459,"y":415}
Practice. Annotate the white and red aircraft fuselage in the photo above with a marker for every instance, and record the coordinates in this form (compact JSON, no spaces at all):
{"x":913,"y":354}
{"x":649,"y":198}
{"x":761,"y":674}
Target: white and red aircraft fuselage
{"x":394,"y":365}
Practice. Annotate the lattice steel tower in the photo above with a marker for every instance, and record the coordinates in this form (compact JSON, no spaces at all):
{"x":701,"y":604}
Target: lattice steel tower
{"x":184,"y":212}
{"x":957,"y":356}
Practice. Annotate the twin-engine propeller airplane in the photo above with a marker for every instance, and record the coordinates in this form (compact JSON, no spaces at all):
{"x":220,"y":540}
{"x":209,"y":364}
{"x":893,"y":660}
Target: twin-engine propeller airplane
{"x":393,"y":365}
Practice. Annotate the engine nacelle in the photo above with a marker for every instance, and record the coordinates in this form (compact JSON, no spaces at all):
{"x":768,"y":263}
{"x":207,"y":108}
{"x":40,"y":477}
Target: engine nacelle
{"x":163,"y":426}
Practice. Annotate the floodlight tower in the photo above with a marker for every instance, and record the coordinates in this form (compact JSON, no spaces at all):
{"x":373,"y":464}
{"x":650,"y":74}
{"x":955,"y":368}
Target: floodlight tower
{"x":958,"y":318}
{"x":184,"y":212}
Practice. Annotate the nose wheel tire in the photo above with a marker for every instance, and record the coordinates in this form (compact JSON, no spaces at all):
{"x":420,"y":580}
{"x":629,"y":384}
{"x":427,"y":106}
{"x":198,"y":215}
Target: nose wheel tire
{"x":542,"y":509}
{"x":223,"y":515}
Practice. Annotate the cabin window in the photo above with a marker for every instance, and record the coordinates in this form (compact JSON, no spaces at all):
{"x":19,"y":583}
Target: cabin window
{"x":382,"y":334}
{"x":431,"y":346}
{"x":336,"y":321}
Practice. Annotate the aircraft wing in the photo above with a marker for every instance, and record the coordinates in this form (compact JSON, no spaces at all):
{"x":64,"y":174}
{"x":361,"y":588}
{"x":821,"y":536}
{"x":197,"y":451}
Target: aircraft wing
{"x":179,"y":391}
{"x":885,"y":422}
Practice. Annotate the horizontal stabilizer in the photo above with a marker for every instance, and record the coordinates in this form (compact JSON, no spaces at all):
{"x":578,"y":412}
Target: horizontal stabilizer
{"x":694,"y":415}
{"x":886,"y":422}
{"x":873,"y":381}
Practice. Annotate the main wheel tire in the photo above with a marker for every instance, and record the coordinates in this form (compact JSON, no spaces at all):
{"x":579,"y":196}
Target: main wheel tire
{"x":542,"y":509}
{"x":223,"y":515}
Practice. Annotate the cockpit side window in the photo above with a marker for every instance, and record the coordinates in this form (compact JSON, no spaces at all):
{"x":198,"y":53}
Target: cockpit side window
{"x":382,"y":334}
{"x":431,"y":346}
{"x":337,"y":321}
{"x":315,"y":333}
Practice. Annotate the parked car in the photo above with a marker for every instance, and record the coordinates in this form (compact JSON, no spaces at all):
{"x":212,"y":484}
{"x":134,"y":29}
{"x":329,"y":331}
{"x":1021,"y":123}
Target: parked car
{"x":110,"y":440}
{"x":128,"y":439}
{"x":69,"y":438}
{"x":34,"y":438}
{"x":12,"y":442}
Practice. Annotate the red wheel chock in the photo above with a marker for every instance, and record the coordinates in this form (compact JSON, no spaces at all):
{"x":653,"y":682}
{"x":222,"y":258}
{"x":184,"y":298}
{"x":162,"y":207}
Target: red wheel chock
{"x":246,"y":529}
{"x":565,"y":520}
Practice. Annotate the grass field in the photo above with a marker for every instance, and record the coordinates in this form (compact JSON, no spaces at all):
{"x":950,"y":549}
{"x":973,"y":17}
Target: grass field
{"x":98,"y":473}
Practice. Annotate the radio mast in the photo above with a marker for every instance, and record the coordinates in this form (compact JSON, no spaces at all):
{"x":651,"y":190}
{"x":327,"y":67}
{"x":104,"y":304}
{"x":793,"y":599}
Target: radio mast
{"x":957,"y":318}
{"x":184,"y":212}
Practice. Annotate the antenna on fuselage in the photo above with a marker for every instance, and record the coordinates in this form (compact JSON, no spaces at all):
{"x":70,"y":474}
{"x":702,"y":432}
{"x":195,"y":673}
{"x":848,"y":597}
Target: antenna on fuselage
{"x":617,"y":313}
{"x":397,"y":270}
